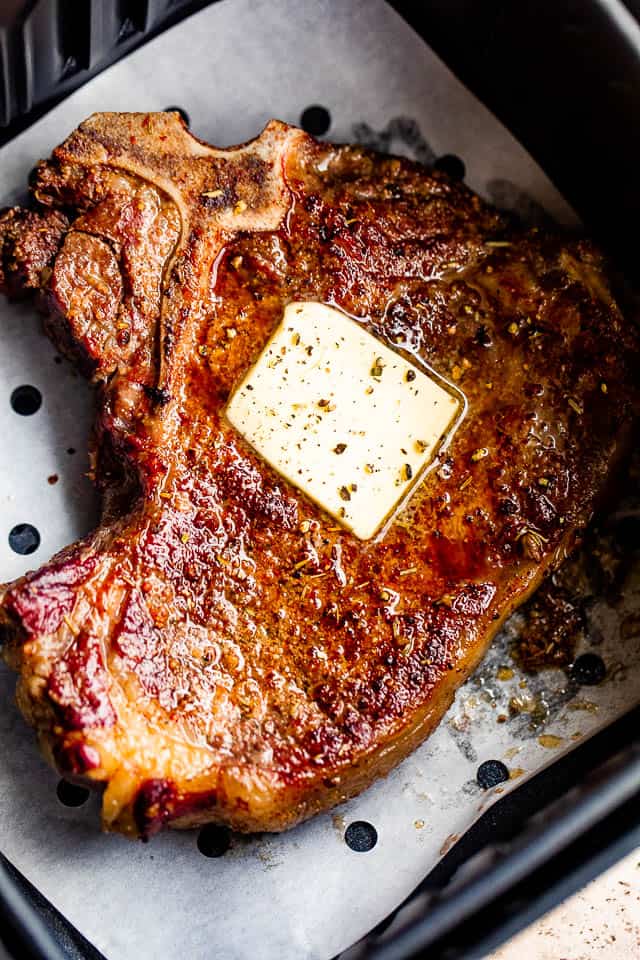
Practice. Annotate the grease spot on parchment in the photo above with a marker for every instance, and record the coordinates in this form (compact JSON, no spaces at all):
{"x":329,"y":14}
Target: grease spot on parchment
{"x":401,"y":135}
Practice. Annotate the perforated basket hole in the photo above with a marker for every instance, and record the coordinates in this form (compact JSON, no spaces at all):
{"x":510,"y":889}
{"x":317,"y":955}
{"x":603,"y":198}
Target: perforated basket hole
{"x":315,"y":120}
{"x":588,"y":670}
{"x":361,"y":836}
{"x":491,"y":773}
{"x":24,"y":538}
{"x":452,"y":165}
{"x":214,"y":841}
{"x":26,"y":400}
{"x":71,"y":794}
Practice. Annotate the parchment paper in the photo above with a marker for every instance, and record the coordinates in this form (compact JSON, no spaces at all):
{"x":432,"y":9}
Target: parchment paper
{"x":303,"y":894}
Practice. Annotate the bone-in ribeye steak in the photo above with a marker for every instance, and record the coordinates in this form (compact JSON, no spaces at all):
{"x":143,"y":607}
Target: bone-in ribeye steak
{"x":219,"y":649}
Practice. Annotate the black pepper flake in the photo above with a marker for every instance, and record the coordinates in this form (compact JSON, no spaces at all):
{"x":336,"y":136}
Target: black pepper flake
{"x":411,"y":375}
{"x":340,"y":448}
{"x":408,"y":472}
{"x":483,"y":337}
{"x":344,"y":493}
{"x":157,"y":395}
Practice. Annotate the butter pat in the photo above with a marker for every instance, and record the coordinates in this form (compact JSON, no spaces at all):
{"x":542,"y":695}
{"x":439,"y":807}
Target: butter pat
{"x":346,"y":420}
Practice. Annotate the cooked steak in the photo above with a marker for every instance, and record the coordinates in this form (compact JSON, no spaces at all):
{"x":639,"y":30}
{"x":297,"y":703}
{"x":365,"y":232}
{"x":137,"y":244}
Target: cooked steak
{"x":220,"y":649}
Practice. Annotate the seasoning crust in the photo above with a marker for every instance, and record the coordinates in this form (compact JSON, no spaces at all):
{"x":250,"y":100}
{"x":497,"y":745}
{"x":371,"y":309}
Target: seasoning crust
{"x":219,"y":649}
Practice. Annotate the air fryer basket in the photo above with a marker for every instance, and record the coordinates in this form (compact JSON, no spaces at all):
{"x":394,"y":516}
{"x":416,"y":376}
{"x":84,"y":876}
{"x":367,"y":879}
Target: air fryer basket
{"x":564,"y":76}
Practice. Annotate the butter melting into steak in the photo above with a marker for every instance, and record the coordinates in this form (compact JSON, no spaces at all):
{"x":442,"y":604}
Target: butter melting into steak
{"x":220,"y":649}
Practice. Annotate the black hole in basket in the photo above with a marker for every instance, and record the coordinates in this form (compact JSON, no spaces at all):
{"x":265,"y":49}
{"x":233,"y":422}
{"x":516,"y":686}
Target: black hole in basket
{"x":588,"y":670}
{"x":26,"y":400}
{"x":183,"y":113}
{"x":71,"y":451}
{"x":214,"y":841}
{"x":361,"y":836}
{"x":451,"y":165}
{"x":70,"y":794}
{"x":491,"y":773}
{"x":24,"y":538}
{"x":315,"y":120}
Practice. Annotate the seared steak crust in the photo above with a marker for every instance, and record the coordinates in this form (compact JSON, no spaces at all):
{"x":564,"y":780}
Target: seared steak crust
{"x":219,"y":649}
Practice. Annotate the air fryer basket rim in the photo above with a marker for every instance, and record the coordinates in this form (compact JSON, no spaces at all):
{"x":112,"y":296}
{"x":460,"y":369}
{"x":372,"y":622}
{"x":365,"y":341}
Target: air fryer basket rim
{"x":572,"y":106}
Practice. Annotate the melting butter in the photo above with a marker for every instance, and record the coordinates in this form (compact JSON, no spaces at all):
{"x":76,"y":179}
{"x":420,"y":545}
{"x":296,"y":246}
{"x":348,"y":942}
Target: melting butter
{"x":342,"y":417}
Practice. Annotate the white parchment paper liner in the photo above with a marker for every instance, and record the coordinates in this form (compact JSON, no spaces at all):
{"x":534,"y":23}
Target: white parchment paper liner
{"x":303,"y":894}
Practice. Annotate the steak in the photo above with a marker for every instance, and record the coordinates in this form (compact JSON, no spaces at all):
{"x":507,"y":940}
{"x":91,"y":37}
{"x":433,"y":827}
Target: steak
{"x":219,"y":649}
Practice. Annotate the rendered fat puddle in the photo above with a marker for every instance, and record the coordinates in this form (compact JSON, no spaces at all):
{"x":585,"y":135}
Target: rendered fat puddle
{"x":345,"y":419}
